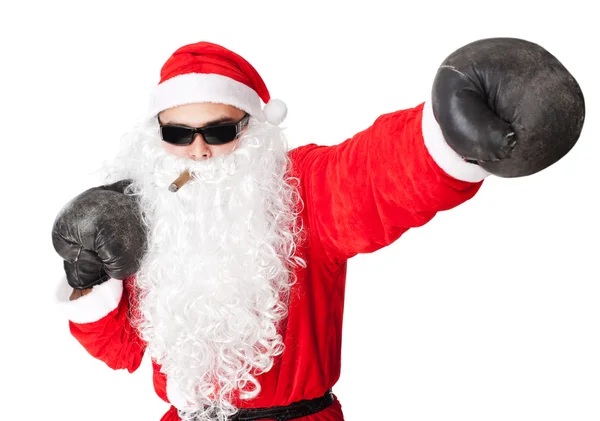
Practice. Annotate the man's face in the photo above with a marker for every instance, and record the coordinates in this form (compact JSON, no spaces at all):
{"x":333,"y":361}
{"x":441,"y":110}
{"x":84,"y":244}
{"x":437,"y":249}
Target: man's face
{"x":200,"y":115}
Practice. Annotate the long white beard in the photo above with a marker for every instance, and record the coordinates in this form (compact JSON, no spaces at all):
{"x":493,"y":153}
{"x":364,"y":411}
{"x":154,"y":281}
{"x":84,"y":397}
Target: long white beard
{"x":214,"y":284}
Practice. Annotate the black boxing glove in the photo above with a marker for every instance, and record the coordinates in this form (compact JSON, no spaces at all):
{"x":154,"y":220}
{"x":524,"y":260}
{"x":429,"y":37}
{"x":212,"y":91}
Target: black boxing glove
{"x":507,"y":105}
{"x":100,"y":235}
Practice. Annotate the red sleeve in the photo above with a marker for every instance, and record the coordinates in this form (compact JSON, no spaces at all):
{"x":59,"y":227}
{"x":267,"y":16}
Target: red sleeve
{"x":100,"y":321}
{"x":364,"y":193}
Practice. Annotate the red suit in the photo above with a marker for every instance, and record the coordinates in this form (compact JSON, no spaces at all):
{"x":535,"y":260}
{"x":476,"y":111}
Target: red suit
{"x":359,"y":196}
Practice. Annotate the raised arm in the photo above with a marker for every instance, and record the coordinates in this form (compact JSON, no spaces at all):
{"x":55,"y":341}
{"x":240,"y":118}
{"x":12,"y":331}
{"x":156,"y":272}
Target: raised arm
{"x":365,"y":192}
{"x":100,"y":236}
{"x":501,"y":104}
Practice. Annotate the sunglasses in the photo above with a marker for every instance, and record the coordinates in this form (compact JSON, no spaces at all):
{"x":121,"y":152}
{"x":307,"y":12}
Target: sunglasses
{"x":218,"y":134}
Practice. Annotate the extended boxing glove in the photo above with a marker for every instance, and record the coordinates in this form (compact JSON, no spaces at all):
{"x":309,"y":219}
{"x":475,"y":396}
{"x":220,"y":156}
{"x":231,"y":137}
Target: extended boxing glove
{"x":508,"y":105}
{"x":100,"y":235}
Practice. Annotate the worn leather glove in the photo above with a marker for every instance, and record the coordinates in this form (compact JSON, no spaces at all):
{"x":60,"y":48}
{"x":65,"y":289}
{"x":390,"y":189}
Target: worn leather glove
{"x":100,"y":235}
{"x":508,"y":105}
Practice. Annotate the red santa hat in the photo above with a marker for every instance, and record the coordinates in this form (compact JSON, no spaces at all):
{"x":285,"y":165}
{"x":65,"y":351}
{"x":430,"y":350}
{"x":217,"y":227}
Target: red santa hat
{"x":206,"y":72}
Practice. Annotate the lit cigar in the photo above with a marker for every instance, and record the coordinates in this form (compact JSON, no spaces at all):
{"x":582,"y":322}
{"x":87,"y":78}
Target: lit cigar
{"x":180,"y":181}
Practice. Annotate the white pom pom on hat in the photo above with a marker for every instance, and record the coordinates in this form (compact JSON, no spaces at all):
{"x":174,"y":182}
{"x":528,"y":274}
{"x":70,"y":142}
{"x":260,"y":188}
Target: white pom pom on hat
{"x":275,"y":111}
{"x":207,"y":72}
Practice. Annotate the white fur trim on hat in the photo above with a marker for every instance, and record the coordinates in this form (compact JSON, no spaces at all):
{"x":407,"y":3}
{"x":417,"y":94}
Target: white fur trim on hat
{"x":447,"y":159}
{"x":203,"y":87}
{"x":89,"y":308}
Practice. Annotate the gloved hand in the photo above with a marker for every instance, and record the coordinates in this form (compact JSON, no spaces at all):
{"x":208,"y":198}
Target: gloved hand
{"x":100,"y":235}
{"x":508,"y":105}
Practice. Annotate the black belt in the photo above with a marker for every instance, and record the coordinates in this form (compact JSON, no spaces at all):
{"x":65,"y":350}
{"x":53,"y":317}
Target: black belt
{"x":284,"y":413}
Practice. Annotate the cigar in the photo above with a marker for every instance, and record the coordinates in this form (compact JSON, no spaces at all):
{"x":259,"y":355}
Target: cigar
{"x":180,"y":181}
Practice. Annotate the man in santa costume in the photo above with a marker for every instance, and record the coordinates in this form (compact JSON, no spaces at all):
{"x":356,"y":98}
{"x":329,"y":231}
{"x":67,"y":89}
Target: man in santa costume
{"x":234,"y":282}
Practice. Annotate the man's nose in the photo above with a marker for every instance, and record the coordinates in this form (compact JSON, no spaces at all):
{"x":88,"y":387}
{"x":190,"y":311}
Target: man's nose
{"x":199,"y":149}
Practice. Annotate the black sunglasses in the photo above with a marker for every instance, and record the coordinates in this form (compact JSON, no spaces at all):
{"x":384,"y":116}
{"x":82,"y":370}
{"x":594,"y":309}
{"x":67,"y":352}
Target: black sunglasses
{"x":218,"y":134}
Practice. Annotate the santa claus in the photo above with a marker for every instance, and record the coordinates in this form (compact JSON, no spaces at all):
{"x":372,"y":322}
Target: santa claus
{"x":233,"y":282}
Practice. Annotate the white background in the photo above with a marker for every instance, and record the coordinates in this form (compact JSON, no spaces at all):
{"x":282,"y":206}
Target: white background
{"x":489,"y":312}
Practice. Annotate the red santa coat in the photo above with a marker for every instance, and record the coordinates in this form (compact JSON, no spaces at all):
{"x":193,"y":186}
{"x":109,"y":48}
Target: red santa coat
{"x":359,"y":196}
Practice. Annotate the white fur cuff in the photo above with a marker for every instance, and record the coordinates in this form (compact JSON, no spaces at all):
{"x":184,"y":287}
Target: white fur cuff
{"x":448,"y":160}
{"x":103,"y":299}
{"x":174,"y":395}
